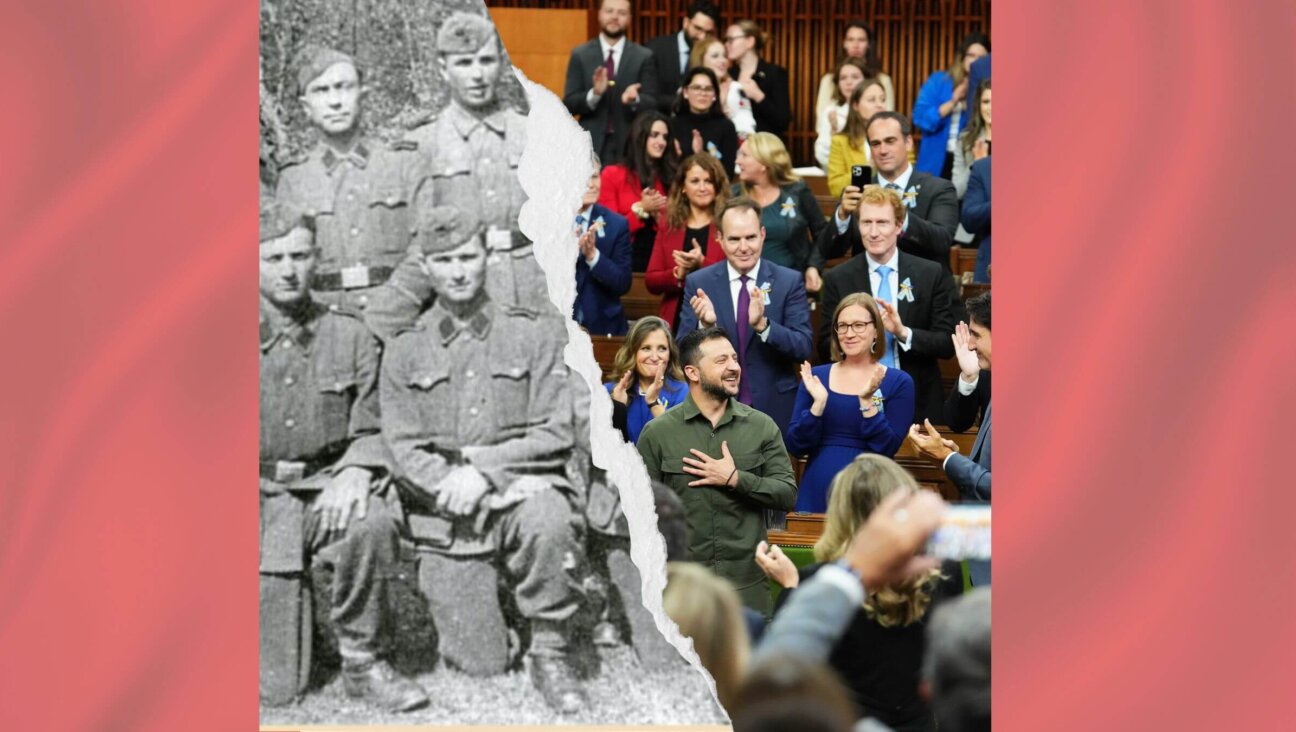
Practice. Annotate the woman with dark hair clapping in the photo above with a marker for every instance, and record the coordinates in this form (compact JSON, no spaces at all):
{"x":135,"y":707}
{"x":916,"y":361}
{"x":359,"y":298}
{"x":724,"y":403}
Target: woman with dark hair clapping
{"x":700,"y":124}
{"x":636,"y":187}
{"x":689,"y":238}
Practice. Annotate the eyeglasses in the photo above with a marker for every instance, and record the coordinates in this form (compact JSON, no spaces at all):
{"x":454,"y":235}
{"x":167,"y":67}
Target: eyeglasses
{"x":701,"y":89}
{"x":859,"y":327}
{"x":731,"y":39}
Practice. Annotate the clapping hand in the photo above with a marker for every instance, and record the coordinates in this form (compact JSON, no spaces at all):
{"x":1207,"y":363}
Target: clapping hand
{"x":931,"y":444}
{"x":891,"y":320}
{"x":697,"y":141}
{"x":969,"y":364}
{"x":812,"y":280}
{"x":586,"y":242}
{"x":631,"y":94}
{"x":712,"y":471}
{"x":687,"y":261}
{"x":815,"y":388}
{"x":980,"y":149}
{"x":885,"y":550}
{"x":600,"y":80}
{"x":620,"y":391}
{"x":960,"y":91}
{"x":756,"y":310}
{"x":703,"y":308}
{"x":651,"y":200}
{"x":776,"y":565}
{"x":659,"y":378}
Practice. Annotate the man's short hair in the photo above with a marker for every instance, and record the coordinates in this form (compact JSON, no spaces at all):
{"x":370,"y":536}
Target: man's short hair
{"x":906,"y":128}
{"x":875,"y":195}
{"x":957,"y":662}
{"x":979,"y":310}
{"x":672,"y":522}
{"x":691,"y":346}
{"x":708,"y":9}
{"x":740,"y":203}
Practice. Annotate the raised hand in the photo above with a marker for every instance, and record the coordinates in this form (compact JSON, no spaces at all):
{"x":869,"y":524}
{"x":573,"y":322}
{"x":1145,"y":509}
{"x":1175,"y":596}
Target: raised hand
{"x":891,"y":319}
{"x":815,"y":388}
{"x":586,"y":242}
{"x":980,"y":150}
{"x":659,"y":379}
{"x":885,"y":550}
{"x":600,"y":80}
{"x":960,"y":91}
{"x":812,"y":280}
{"x":697,"y":141}
{"x":850,"y":201}
{"x":703,"y":309}
{"x":833,"y":120}
{"x":969,"y":364}
{"x":875,"y":381}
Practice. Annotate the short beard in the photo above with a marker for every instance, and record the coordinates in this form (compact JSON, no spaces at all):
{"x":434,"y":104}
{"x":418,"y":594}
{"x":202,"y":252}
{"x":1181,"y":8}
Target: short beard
{"x":715,"y":390}
{"x":615,"y":35}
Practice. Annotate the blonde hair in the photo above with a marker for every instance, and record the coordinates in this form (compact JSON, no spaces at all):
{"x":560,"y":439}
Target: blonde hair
{"x":707,"y":609}
{"x":866,"y":301}
{"x":854,"y":493}
{"x":876,"y":195}
{"x":699,"y":52}
{"x":750,"y":28}
{"x":769,"y":151}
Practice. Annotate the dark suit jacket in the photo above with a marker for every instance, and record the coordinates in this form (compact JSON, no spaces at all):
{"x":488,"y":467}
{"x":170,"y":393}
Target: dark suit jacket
{"x":599,"y":290}
{"x":932,"y":315}
{"x":774,"y":114}
{"x":636,"y":66}
{"x":771,"y":367}
{"x":961,"y":412}
{"x":976,"y":216}
{"x":665,"y":51}
{"x":932,"y":222}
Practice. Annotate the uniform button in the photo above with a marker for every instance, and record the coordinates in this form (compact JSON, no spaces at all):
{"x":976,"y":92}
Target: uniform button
{"x":391,"y":200}
{"x":350,"y":196}
{"x":469,"y":373}
{"x":290,"y":422}
{"x":363,"y":300}
{"x":287,"y":344}
{"x":290,"y":381}
{"x":486,"y":161}
{"x":473,"y":411}
{"x":490,"y":193}
{"x":355,"y":231}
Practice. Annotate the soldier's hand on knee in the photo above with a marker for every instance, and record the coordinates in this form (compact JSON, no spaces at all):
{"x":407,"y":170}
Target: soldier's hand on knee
{"x":461,"y":491}
{"x":346,"y":496}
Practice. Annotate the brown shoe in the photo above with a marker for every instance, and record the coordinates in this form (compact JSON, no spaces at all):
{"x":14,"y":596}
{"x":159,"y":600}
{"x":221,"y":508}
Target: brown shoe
{"x":379,"y":683}
{"x":554,"y":681}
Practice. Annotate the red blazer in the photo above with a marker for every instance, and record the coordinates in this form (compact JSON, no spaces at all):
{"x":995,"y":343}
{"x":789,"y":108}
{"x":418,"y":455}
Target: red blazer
{"x":659,"y":280}
{"x":621,"y":190}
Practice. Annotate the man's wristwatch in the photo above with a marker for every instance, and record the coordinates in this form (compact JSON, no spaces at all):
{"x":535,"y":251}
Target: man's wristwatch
{"x":653,"y":403}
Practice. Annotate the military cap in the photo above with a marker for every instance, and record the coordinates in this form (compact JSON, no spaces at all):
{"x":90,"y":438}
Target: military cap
{"x":278,"y":219}
{"x":464,"y":33}
{"x":315,"y":60}
{"x":445,"y":228}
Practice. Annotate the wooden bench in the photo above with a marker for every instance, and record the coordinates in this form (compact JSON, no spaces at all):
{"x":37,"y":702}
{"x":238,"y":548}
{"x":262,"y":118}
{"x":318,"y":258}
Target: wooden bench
{"x":962,"y":260}
{"x":639,"y":302}
{"x":605,"y":350}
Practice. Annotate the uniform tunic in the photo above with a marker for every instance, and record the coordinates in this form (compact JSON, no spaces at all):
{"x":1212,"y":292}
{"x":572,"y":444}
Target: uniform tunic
{"x":365,"y":206}
{"x":725,"y":524}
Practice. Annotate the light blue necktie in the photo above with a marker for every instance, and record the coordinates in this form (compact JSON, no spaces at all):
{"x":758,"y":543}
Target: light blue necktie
{"x":580,"y":224}
{"x":884,"y":293}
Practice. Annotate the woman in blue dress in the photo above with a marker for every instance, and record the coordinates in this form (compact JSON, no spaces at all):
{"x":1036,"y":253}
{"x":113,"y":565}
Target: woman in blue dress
{"x":851,"y":406}
{"x":651,"y":381}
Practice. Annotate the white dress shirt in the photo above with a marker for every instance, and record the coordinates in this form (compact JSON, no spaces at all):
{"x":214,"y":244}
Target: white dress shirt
{"x":875,"y":281}
{"x":591,"y":98}
{"x":588,"y":213}
{"x":735,"y":282}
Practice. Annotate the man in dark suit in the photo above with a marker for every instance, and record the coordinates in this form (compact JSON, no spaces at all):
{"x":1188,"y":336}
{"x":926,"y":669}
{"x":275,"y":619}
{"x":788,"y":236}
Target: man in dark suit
{"x":761,"y":305}
{"x":610,"y":80}
{"x":602,"y":266}
{"x":931,"y":202}
{"x":971,"y":394}
{"x":671,"y":51}
{"x":976,"y":216}
{"x":916,"y":297}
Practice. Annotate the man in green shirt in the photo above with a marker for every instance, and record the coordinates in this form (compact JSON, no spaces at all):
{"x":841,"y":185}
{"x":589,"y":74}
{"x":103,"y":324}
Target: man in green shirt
{"x":726,"y":461}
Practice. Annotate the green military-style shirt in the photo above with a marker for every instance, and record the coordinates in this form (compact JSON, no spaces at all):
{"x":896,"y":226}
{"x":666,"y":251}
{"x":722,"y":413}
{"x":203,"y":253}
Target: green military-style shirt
{"x":725,"y":524}
{"x":493,"y":392}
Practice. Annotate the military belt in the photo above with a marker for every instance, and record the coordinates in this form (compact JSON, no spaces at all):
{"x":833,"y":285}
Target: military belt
{"x":290,"y":471}
{"x":352,"y":278}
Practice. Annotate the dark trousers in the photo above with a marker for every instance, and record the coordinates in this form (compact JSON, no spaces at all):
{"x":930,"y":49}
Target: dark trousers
{"x":610,"y":558}
{"x":363,"y":557}
{"x":537,"y":551}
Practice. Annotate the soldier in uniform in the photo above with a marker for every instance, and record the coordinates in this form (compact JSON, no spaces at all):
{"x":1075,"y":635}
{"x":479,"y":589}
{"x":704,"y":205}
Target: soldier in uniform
{"x":364,"y":195}
{"x":477,"y":411}
{"x":321,"y":456}
{"x":472,"y":148}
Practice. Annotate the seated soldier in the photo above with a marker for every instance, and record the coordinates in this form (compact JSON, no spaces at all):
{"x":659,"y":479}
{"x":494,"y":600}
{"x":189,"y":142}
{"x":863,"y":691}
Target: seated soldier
{"x":321,"y":456}
{"x":477,"y":411}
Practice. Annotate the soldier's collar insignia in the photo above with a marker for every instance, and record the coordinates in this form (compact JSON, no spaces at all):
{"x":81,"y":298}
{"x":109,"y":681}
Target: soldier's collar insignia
{"x":359,"y":157}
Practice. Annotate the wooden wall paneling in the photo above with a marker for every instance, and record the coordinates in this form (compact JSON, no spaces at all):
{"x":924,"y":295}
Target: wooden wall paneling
{"x":539,"y":42}
{"x":913,"y":37}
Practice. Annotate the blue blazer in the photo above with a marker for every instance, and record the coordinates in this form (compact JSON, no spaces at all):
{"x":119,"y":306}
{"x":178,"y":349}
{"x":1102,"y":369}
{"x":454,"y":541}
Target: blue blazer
{"x":771,"y":369}
{"x":937,"y":90}
{"x":976,"y":215}
{"x":598,"y":291}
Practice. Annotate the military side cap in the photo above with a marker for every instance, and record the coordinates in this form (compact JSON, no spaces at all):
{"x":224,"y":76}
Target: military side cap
{"x":464,"y":33}
{"x":278,"y":219}
{"x":445,"y":228}
{"x":315,"y":60}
